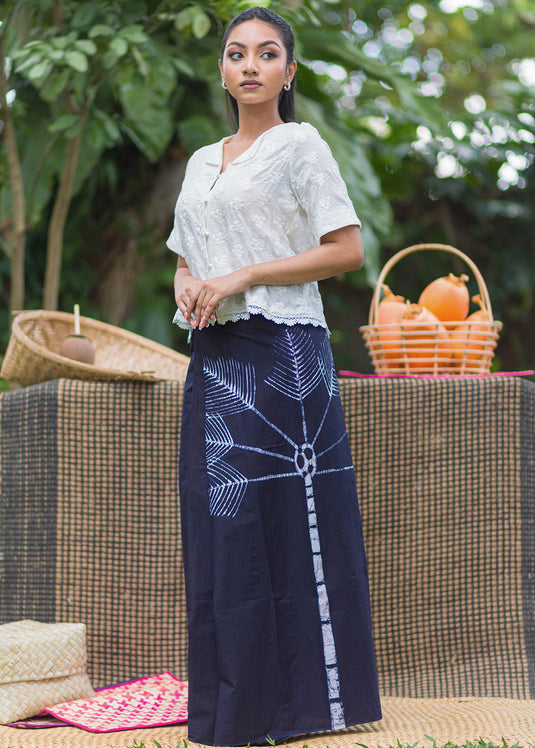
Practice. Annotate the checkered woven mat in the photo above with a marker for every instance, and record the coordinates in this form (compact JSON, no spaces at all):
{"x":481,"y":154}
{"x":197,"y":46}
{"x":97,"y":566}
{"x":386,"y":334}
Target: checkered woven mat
{"x":414,"y":722}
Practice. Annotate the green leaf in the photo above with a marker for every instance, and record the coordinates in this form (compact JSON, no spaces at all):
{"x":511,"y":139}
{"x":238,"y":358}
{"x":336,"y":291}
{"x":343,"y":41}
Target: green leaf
{"x":112,"y":129}
{"x":62,"y":42}
{"x":134,"y":34}
{"x":197,"y":131}
{"x":142,"y":65}
{"x":56,"y":55}
{"x":101,"y":29}
{"x":201,"y":25}
{"x":63,"y":122}
{"x":244,"y":4}
{"x":28,"y":45}
{"x":84,"y":15}
{"x":184,"y":67}
{"x":106,"y":125}
{"x":76,"y":60}
{"x":119,"y":46}
{"x":108,"y":59}
{"x":183,"y":19}
{"x":39,"y":70}
{"x":86,"y":45}
{"x":29,"y":62}
{"x":72,"y":132}
{"x":148,"y":118}
{"x":54,"y":85}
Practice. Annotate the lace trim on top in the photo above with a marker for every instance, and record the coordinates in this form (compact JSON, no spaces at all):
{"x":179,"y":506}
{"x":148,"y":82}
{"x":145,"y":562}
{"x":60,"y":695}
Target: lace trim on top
{"x":179,"y":320}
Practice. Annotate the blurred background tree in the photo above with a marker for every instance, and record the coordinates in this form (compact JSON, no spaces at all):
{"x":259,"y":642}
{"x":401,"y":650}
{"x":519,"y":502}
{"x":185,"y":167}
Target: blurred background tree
{"x":429,"y":108}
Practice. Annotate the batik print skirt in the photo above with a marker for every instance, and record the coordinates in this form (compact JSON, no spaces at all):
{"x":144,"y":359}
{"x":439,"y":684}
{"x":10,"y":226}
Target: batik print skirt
{"x":279,"y":624}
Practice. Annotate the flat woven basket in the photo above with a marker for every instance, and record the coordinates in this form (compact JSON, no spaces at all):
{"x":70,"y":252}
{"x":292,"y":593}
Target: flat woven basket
{"x":425,"y":348}
{"x":41,"y":664}
{"x":32,"y":355}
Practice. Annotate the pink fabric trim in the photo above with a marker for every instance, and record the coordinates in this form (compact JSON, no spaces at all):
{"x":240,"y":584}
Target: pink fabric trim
{"x":153,"y":701}
{"x":527,"y":373}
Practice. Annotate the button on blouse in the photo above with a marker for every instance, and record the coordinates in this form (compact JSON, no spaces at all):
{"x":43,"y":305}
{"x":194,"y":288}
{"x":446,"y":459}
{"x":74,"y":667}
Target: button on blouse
{"x":275,"y":200}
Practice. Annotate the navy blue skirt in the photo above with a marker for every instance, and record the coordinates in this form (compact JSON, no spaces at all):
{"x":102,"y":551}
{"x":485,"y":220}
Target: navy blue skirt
{"x":279,"y":625}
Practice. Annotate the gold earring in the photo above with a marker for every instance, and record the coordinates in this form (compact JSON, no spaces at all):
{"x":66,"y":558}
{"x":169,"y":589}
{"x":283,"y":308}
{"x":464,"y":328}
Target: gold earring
{"x":287,"y":86}
{"x":224,"y":85}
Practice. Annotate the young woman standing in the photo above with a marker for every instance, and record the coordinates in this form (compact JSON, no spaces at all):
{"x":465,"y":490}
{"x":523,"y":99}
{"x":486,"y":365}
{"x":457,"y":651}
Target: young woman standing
{"x":279,"y":624}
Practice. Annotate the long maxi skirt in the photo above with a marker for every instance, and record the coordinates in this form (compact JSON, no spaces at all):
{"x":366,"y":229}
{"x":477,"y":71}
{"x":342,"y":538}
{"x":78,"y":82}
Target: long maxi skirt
{"x":279,"y":625}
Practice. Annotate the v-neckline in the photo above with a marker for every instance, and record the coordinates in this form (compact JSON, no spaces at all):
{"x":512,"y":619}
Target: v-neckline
{"x":225,"y":140}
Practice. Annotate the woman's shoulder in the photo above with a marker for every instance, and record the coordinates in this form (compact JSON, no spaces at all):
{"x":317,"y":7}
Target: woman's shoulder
{"x":300,"y":132}
{"x":206,"y":154}
{"x":305,"y":139}
{"x":294,"y":139}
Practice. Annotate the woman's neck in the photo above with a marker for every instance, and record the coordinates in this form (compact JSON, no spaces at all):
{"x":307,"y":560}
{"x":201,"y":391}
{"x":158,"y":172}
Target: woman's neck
{"x":252,"y":124}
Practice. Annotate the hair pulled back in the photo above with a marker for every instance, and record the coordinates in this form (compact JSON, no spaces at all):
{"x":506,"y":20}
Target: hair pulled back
{"x":286,"y":98}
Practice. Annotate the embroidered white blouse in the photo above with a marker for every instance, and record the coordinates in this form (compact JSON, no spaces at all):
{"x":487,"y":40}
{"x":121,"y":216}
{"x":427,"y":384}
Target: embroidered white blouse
{"x":277,"y":199}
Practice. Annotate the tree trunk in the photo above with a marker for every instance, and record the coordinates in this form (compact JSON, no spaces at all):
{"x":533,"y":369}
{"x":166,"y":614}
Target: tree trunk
{"x":15,"y":234}
{"x":56,"y":227}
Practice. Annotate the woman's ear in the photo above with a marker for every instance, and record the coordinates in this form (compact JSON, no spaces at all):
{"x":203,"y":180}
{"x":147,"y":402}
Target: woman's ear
{"x":290,"y":69}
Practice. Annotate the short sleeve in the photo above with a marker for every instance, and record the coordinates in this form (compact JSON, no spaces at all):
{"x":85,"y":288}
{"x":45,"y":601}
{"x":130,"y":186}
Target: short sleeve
{"x":174,"y":241}
{"x":318,"y":185}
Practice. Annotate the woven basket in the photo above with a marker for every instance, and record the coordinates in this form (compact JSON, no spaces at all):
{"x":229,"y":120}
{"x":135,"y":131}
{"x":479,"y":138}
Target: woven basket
{"x":41,"y":664}
{"x":32,"y":354}
{"x":421,"y":348}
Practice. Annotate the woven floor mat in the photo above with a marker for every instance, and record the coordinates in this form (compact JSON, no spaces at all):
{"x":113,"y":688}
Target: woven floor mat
{"x":408,"y":721}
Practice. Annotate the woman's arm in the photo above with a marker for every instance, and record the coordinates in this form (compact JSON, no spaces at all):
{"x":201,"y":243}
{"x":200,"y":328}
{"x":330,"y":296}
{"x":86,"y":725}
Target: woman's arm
{"x":338,"y":252}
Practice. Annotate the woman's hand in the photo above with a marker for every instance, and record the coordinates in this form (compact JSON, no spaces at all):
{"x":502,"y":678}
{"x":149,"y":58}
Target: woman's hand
{"x":211,"y":292}
{"x":198,"y":300}
{"x":187,"y":290}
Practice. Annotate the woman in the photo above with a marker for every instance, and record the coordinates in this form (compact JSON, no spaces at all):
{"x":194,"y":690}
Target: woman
{"x":277,"y":594}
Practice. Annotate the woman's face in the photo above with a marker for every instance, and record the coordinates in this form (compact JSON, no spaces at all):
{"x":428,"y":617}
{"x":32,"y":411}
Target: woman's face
{"x":254,"y":64}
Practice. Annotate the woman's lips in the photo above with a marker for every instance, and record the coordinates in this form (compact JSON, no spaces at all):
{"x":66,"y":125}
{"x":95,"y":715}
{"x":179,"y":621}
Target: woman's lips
{"x":250,"y":84}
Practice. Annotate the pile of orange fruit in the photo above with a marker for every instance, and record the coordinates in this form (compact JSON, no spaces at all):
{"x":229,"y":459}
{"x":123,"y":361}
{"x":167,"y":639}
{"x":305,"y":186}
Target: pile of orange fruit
{"x":436,"y":334}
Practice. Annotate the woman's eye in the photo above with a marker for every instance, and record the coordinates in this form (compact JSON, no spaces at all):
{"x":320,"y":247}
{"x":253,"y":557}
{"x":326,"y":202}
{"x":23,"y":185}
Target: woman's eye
{"x":235,"y":55}
{"x":269,"y":55}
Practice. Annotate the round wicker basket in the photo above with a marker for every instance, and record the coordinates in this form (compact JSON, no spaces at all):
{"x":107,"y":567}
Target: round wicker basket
{"x":32,"y":355}
{"x":416,"y":348}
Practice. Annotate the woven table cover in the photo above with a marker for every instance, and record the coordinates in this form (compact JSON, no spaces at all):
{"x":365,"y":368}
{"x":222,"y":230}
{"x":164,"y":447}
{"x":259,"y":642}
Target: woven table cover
{"x":89,"y":520}
{"x":446,"y":478}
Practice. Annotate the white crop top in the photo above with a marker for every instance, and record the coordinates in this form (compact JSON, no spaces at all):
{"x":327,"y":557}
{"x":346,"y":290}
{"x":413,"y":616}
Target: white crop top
{"x":275,"y":200}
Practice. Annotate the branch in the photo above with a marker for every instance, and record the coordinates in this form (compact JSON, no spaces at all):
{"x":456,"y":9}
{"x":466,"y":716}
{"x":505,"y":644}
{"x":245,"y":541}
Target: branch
{"x":58,"y":15}
{"x":14,"y":246}
{"x":57,"y":222}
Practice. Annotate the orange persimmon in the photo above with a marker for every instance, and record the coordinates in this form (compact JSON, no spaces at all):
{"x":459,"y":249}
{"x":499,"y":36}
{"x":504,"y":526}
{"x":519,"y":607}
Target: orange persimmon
{"x":447,"y":298}
{"x":389,"y":314}
{"x":426,"y":342}
{"x":468,"y":340}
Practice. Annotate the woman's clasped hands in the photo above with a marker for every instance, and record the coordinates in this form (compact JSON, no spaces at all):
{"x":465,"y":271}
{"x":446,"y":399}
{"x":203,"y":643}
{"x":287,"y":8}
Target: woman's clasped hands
{"x":199,"y":299}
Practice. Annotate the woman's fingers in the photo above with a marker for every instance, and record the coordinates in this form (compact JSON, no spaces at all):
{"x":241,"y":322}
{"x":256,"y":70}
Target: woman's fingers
{"x":187,"y":298}
{"x":206,"y":303}
{"x":198,"y":301}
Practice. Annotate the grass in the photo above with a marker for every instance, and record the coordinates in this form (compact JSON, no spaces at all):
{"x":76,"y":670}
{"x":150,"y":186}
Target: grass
{"x":432,"y":744}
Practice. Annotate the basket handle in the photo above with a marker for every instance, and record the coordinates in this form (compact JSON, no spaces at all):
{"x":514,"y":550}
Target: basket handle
{"x":483,"y":292}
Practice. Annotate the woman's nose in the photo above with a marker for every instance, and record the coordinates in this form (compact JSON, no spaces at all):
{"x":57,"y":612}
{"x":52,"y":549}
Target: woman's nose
{"x":250,"y":65}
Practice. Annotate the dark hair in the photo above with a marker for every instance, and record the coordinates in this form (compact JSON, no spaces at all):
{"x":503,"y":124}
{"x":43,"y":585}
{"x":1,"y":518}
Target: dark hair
{"x":286,"y":98}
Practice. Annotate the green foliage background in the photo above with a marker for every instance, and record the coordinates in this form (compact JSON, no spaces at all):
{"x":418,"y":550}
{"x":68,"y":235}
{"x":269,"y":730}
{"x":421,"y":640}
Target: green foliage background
{"x":428,"y":110}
